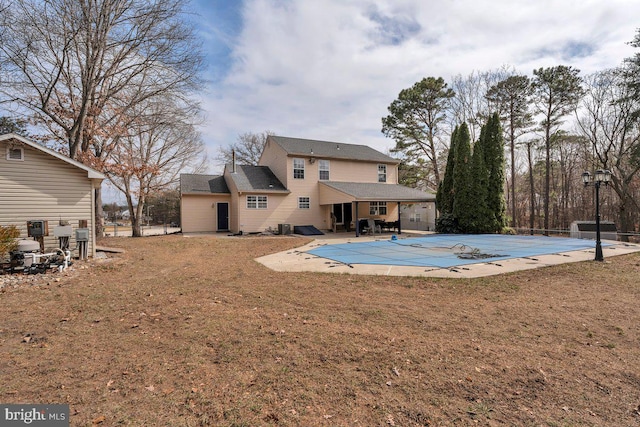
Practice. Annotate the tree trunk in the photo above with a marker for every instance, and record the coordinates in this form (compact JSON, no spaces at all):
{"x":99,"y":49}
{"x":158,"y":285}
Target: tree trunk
{"x":98,"y":220}
{"x":532,"y":195}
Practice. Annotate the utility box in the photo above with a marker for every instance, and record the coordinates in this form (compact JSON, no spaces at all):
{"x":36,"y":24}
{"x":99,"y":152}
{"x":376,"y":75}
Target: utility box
{"x":82,"y":234}
{"x":63,"y":231}
{"x":284,"y":229}
{"x":587,"y":230}
{"x":37,"y":228}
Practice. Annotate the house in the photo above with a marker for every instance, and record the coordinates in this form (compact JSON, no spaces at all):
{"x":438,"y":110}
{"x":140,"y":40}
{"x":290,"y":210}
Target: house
{"x":329,"y":185}
{"x":39,"y":184}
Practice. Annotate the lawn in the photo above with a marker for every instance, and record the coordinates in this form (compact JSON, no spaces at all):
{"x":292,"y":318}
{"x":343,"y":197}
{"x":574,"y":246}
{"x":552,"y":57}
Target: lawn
{"x":193,"y":332}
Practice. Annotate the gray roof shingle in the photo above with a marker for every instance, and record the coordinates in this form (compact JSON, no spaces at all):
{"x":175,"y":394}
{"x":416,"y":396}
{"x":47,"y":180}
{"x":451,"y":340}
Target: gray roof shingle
{"x":330,"y":150}
{"x":203,"y":184}
{"x":365,"y":191}
{"x":256,"y":178}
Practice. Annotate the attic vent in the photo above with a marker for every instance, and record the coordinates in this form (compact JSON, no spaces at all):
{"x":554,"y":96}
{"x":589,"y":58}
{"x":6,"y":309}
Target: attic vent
{"x":15,"y":153}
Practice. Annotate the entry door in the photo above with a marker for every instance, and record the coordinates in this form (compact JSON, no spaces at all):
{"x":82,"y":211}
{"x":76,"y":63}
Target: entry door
{"x":223,"y":216}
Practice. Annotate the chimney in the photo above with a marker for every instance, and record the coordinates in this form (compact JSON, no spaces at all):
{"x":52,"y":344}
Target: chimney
{"x":233,"y":161}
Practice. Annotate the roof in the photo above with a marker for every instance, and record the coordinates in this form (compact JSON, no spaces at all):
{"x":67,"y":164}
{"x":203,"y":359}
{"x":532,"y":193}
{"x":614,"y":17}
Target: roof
{"x":365,"y":191}
{"x":91,"y":173}
{"x":248,"y":178}
{"x":330,"y":150}
{"x":204,"y":184}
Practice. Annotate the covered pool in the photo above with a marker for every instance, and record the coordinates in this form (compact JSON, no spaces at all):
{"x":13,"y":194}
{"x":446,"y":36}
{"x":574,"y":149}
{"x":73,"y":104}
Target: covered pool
{"x":448,"y":250}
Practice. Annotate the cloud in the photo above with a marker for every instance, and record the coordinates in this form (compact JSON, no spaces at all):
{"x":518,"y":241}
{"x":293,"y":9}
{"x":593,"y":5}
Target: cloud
{"x":329,"y":69}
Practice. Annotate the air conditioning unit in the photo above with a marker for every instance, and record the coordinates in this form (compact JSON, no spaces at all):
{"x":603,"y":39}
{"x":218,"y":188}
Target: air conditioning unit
{"x":284,"y":229}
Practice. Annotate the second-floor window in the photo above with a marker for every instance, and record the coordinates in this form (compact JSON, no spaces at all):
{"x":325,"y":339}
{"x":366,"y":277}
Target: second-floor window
{"x":298,"y":168}
{"x":382,"y":173}
{"x":323,"y":170}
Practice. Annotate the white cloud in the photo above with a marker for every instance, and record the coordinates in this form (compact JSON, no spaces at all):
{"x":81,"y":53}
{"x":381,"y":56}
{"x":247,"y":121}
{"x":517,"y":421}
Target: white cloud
{"x":328,"y":69}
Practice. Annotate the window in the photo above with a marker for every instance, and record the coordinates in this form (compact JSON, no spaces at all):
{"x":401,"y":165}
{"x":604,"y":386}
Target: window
{"x":415,"y":217}
{"x":382,"y":173}
{"x":304,"y":203}
{"x":256,"y":202}
{"x":15,"y":153}
{"x":298,"y":168}
{"x":378,"y":208}
{"x":323,"y":168}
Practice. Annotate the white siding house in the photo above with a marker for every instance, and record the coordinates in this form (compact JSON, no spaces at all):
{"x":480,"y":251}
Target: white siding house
{"x":37,"y":183}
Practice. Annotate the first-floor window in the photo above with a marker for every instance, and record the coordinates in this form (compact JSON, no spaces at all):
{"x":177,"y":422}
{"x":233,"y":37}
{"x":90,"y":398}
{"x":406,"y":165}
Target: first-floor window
{"x":304,"y":203}
{"x":378,"y":208}
{"x":256,"y":202}
{"x":414,"y":217}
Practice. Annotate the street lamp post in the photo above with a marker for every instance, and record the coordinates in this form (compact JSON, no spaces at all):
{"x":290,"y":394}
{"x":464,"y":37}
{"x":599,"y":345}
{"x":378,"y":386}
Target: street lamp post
{"x":600,"y":176}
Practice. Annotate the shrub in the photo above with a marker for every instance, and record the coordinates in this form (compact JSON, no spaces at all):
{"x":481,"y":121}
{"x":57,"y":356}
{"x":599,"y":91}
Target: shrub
{"x":8,"y":242}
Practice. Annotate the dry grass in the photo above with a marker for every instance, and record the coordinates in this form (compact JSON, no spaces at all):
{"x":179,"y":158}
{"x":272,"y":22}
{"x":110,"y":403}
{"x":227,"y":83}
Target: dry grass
{"x":193,"y":332}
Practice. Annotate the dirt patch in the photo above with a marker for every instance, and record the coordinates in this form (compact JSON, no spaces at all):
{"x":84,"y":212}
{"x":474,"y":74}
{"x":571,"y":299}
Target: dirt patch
{"x":193,"y":332}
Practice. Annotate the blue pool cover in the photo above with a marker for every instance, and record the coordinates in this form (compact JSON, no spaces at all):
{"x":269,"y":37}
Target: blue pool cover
{"x":448,"y":250}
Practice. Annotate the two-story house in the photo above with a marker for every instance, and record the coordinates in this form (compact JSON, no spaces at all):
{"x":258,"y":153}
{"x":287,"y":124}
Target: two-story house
{"x":329,"y":185}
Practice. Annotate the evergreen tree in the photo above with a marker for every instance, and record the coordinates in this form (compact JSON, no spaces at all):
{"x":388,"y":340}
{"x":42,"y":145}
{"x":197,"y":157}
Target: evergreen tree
{"x":480,"y":216}
{"x":444,"y":196}
{"x":463,"y":203}
{"x":494,"y":163}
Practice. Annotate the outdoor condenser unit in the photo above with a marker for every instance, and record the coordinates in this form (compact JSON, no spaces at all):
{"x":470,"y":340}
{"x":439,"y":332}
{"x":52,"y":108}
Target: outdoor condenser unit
{"x":284,"y":229}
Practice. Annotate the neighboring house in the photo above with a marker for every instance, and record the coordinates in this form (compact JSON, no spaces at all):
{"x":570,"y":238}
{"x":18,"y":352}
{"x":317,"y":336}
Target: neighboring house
{"x":37,"y":183}
{"x":298,"y":182}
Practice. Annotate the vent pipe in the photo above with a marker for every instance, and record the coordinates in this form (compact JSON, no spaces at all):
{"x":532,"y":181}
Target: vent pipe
{"x":233,"y":161}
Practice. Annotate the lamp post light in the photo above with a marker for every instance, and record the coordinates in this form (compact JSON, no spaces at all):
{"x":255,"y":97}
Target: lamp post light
{"x":600,"y":176}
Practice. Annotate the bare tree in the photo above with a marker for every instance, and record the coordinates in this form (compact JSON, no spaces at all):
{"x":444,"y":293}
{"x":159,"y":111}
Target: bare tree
{"x":607,"y":118}
{"x":162,"y":141}
{"x":80,"y":66}
{"x":470,"y":104}
{"x":247,"y":148}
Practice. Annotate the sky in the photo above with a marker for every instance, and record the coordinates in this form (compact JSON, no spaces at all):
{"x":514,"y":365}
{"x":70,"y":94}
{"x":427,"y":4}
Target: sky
{"x":328,"y":69}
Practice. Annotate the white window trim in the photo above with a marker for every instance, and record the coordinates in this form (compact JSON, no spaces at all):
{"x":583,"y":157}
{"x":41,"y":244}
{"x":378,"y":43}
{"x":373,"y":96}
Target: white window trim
{"x":257,"y":202}
{"x":308,"y":202}
{"x":380,"y":173}
{"x":13,"y":159}
{"x":321,"y":169}
{"x":376,"y":207}
{"x":298,"y":168}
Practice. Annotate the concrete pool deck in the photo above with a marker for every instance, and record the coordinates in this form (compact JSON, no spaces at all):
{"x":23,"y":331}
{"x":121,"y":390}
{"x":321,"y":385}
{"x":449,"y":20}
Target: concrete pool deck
{"x":300,"y":260}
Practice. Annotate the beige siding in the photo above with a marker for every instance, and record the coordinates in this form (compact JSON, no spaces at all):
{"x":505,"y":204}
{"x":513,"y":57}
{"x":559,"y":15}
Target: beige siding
{"x":350,"y":171}
{"x":276,"y":158}
{"x":199,"y":212}
{"x":47,"y":188}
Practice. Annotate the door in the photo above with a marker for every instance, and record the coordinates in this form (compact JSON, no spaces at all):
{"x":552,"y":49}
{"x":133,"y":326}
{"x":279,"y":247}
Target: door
{"x":223,"y":216}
